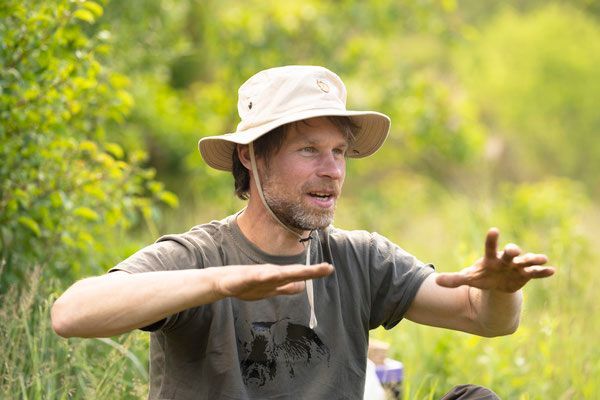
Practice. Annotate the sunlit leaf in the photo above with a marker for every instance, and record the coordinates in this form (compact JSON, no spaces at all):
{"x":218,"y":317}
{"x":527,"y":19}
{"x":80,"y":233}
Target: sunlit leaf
{"x":88,"y":146}
{"x":114,"y":149}
{"x":168,"y":198}
{"x":94,"y":7}
{"x":56,"y":200}
{"x":84,"y":15}
{"x":30,"y":224}
{"x":86,"y":213}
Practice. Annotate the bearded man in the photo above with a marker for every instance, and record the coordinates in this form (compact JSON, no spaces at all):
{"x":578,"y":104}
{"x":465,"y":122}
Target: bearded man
{"x":275,"y":302}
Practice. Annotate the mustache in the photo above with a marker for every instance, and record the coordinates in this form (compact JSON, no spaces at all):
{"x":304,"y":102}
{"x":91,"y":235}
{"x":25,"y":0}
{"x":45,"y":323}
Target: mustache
{"x":328,"y":187}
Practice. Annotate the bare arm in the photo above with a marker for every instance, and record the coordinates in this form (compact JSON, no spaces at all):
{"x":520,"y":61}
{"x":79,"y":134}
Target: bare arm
{"x":466,"y":308}
{"x":484,"y":299}
{"x":120,"y":302}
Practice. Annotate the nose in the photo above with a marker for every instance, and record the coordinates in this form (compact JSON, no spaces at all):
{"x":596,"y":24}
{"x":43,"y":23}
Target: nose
{"x":332,"y":166}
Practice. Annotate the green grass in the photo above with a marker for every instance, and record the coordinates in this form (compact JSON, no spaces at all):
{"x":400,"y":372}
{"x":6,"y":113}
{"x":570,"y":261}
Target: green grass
{"x":38,"y":364}
{"x":554,"y":354}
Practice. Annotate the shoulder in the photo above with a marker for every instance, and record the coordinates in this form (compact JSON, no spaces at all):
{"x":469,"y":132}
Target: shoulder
{"x":364,"y":246}
{"x":367,"y":245}
{"x":211,"y":233}
{"x":355,"y":238}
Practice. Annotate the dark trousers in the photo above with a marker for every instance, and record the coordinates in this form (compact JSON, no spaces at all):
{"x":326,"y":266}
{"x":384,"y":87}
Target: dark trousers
{"x":470,"y":392}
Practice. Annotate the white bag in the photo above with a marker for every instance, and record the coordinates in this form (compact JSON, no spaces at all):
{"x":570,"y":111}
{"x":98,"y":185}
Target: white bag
{"x":373,"y":388}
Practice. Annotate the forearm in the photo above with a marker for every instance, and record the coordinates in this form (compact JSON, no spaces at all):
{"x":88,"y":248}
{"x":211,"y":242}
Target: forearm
{"x":496,"y":313}
{"x":120,"y":302}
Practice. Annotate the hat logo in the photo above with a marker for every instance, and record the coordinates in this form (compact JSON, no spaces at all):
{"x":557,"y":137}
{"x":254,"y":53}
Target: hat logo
{"x":323,"y":86}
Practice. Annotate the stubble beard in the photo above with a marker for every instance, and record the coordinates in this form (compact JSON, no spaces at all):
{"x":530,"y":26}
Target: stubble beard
{"x":291,"y":209}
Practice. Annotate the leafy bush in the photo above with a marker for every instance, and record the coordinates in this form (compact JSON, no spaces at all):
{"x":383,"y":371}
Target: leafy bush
{"x":65,"y":190}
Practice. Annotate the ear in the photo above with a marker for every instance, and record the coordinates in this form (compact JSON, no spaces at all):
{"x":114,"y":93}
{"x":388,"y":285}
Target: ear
{"x":243,"y":152}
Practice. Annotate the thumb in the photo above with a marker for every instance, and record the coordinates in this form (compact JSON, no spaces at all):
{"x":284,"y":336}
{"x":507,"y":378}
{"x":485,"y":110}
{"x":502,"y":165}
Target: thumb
{"x":291,"y":288}
{"x":451,"y":280}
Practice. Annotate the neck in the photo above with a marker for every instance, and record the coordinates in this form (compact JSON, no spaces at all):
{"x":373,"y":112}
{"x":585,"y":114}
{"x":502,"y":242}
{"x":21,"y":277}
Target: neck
{"x":263,"y":231}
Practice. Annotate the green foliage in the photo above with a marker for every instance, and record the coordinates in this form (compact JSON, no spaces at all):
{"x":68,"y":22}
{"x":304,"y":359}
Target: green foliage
{"x":494,"y":122}
{"x":551,"y":355}
{"x":537,"y":79}
{"x":435,"y":131}
{"x":196,"y":56}
{"x":444,"y":175}
{"x":65,"y":190}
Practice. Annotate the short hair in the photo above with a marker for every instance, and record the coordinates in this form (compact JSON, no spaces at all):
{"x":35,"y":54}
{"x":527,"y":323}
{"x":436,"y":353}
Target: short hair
{"x":271,"y":142}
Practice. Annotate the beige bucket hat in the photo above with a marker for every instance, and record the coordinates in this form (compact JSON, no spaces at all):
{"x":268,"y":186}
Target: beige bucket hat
{"x":281,"y":95}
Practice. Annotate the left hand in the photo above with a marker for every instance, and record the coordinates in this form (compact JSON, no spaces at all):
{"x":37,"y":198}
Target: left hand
{"x":506,"y":271}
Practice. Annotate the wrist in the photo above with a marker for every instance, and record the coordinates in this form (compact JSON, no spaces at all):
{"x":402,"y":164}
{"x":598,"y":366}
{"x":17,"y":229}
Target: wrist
{"x":199,"y":286}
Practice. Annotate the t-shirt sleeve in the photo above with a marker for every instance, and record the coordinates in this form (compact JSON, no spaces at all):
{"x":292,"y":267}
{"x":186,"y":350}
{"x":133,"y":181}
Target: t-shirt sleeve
{"x":169,"y":253}
{"x":395,"y":277}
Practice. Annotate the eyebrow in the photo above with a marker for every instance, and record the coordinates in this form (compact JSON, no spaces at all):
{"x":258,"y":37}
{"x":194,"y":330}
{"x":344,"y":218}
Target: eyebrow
{"x":305,"y":140}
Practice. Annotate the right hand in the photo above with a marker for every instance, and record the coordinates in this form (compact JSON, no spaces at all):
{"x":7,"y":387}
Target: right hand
{"x":506,"y":271}
{"x":255,"y":282}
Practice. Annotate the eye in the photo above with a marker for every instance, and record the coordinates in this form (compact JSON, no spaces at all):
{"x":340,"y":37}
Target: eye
{"x":309,"y":149}
{"x":340,"y":151}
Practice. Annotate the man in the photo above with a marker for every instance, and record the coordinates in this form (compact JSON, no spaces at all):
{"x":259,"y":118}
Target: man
{"x":274,"y":302}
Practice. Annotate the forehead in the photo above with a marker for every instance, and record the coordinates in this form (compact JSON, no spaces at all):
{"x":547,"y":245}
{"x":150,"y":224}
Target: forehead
{"x":319,"y":129}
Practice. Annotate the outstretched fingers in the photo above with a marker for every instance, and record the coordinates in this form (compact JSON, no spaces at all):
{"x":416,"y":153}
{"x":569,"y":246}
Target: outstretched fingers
{"x":291,"y":279}
{"x":537,"y":271}
{"x":529,"y":259}
{"x":292,"y":273}
{"x":531,"y":266}
{"x":511,"y":251}
{"x":261,"y":281}
{"x":507,"y":270}
{"x":491,"y":243}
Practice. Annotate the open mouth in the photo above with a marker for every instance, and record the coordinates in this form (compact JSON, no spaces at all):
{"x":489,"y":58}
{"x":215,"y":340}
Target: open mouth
{"x":321,"y":195}
{"x":323,"y":199}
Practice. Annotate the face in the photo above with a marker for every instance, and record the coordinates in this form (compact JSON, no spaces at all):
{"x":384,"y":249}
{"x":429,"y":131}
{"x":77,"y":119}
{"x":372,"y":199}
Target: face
{"x":303,"y":180}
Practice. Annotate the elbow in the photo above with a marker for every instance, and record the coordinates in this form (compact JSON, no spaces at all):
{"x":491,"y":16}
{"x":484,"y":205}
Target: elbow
{"x":68,"y":313}
{"x":512,"y":328}
{"x":495,"y":331}
{"x":61,"y":322}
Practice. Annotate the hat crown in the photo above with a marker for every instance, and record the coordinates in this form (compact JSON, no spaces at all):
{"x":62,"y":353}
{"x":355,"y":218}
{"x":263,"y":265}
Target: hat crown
{"x":283,"y":95}
{"x":274,"y":93}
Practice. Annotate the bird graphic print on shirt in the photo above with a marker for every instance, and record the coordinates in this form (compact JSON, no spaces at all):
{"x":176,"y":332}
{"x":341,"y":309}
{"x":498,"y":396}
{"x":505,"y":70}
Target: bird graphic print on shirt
{"x":270,"y":348}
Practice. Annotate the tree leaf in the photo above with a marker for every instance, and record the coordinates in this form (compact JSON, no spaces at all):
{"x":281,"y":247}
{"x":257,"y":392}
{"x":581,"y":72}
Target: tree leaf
{"x":30,"y":224}
{"x":94,"y":7}
{"x":168,"y":198}
{"x":84,"y":15}
{"x":114,"y":149}
{"x":88,"y":146}
{"x":86,"y":213}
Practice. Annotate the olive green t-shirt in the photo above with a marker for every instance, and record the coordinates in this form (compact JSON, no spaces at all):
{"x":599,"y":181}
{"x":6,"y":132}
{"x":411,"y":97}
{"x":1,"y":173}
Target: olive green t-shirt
{"x":235,"y":349}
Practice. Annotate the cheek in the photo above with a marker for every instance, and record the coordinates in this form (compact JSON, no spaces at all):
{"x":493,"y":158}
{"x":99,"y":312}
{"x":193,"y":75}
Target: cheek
{"x":343,"y":168}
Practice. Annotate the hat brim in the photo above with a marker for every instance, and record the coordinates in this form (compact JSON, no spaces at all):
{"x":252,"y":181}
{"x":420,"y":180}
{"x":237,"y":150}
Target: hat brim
{"x":373,"y":129}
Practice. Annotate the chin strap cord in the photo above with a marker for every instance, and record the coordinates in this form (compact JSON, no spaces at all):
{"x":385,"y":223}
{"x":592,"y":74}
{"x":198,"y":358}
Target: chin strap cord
{"x":309,"y":287}
{"x":305,"y":241}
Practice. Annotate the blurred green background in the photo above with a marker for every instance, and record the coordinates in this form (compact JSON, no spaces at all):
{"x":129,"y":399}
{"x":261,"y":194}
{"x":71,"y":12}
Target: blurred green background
{"x":495,"y":122}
